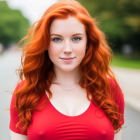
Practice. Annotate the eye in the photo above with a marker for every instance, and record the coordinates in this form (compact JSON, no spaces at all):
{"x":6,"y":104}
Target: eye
{"x":77,"y":38}
{"x":56,"y":39}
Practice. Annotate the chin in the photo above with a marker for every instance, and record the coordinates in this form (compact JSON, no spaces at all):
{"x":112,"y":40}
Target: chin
{"x":67,"y":68}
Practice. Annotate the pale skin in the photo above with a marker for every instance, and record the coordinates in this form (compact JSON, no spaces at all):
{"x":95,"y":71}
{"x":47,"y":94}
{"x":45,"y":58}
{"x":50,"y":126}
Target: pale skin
{"x":68,"y":39}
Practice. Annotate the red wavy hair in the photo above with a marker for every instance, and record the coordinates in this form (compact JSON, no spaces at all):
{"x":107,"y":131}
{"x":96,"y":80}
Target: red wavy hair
{"x":37,"y":68}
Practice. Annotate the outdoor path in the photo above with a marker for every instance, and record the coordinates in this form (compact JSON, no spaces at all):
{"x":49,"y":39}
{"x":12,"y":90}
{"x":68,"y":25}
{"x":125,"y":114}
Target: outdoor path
{"x":132,"y":124}
{"x":9,"y":61}
{"x":128,"y":81}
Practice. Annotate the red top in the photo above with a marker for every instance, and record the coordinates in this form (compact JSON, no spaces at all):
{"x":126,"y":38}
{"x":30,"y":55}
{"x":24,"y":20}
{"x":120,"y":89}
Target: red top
{"x":50,"y":124}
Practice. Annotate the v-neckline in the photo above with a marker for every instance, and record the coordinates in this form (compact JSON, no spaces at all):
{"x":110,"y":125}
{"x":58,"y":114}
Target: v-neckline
{"x":67,"y":115}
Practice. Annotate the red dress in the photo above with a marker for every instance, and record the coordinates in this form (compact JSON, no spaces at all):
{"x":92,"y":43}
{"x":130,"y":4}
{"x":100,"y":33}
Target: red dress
{"x":50,"y":124}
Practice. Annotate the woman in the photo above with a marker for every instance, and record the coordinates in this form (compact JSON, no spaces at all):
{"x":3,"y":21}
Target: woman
{"x":67,"y":89}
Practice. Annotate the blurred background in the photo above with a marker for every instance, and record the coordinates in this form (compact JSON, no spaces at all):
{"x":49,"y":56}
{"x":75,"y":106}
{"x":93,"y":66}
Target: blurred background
{"x":118,"y":19}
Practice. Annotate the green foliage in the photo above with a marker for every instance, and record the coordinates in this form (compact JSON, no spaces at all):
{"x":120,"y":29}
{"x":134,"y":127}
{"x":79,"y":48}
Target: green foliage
{"x":13,"y":26}
{"x":126,"y":61}
{"x":118,"y":18}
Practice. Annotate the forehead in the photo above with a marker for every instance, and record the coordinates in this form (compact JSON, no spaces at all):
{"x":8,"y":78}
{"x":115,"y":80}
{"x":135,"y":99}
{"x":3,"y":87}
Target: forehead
{"x":70,"y":25}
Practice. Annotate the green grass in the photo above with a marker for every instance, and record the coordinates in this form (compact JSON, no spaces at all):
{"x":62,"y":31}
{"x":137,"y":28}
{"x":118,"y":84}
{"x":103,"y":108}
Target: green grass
{"x":126,"y":61}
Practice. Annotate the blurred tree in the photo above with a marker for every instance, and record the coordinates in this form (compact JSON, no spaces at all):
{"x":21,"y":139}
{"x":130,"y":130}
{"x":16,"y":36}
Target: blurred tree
{"x":119,"y":19}
{"x":13,"y":25}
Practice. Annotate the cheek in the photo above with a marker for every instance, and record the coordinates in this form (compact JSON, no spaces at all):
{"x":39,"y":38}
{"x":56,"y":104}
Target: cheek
{"x":81,"y":48}
{"x":53,"y":50}
{"x":53,"y":53}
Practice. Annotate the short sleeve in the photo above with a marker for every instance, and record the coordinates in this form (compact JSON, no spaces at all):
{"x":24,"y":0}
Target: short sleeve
{"x":14,"y":113}
{"x":119,"y":99}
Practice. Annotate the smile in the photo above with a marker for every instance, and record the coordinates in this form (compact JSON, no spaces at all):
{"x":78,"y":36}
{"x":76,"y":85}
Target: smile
{"x":67,"y":60}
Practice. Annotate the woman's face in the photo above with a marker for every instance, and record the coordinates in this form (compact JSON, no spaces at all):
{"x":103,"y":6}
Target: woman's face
{"x":68,"y":39}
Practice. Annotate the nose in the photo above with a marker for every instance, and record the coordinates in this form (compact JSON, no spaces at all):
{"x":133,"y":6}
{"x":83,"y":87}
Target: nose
{"x":67,"y":46}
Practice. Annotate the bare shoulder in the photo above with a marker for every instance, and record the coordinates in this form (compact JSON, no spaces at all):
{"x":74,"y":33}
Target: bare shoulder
{"x":118,"y":135}
{"x":16,"y":136}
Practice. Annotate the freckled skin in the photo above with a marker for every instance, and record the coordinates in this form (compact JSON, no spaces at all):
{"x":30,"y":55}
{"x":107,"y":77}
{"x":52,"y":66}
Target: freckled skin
{"x":67,"y":45}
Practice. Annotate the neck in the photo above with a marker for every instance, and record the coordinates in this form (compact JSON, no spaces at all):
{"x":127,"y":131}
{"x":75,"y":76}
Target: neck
{"x":66,"y":78}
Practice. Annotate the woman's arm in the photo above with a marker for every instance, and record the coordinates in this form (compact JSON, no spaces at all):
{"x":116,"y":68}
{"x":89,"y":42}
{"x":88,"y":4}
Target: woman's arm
{"x":118,"y":135}
{"x":16,"y":136}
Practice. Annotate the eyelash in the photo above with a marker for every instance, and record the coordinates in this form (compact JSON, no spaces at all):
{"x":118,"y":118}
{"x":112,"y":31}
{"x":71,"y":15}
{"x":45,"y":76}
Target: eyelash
{"x":59,"y":38}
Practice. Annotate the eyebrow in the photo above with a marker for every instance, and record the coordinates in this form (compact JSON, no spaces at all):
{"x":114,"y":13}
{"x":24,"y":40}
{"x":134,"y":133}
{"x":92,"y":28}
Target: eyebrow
{"x":72,"y":35}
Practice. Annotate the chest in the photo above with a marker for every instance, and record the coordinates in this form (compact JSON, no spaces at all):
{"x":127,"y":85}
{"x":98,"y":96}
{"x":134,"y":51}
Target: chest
{"x":70,"y":103}
{"x":50,"y":124}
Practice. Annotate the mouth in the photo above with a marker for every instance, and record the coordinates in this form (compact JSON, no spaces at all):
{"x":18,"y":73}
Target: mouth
{"x":67,"y":58}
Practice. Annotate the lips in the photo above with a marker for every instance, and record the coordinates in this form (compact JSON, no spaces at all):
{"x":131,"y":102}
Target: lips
{"x":66,"y":58}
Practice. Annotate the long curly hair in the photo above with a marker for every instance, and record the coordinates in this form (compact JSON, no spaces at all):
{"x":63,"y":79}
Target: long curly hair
{"x":37,"y":72}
